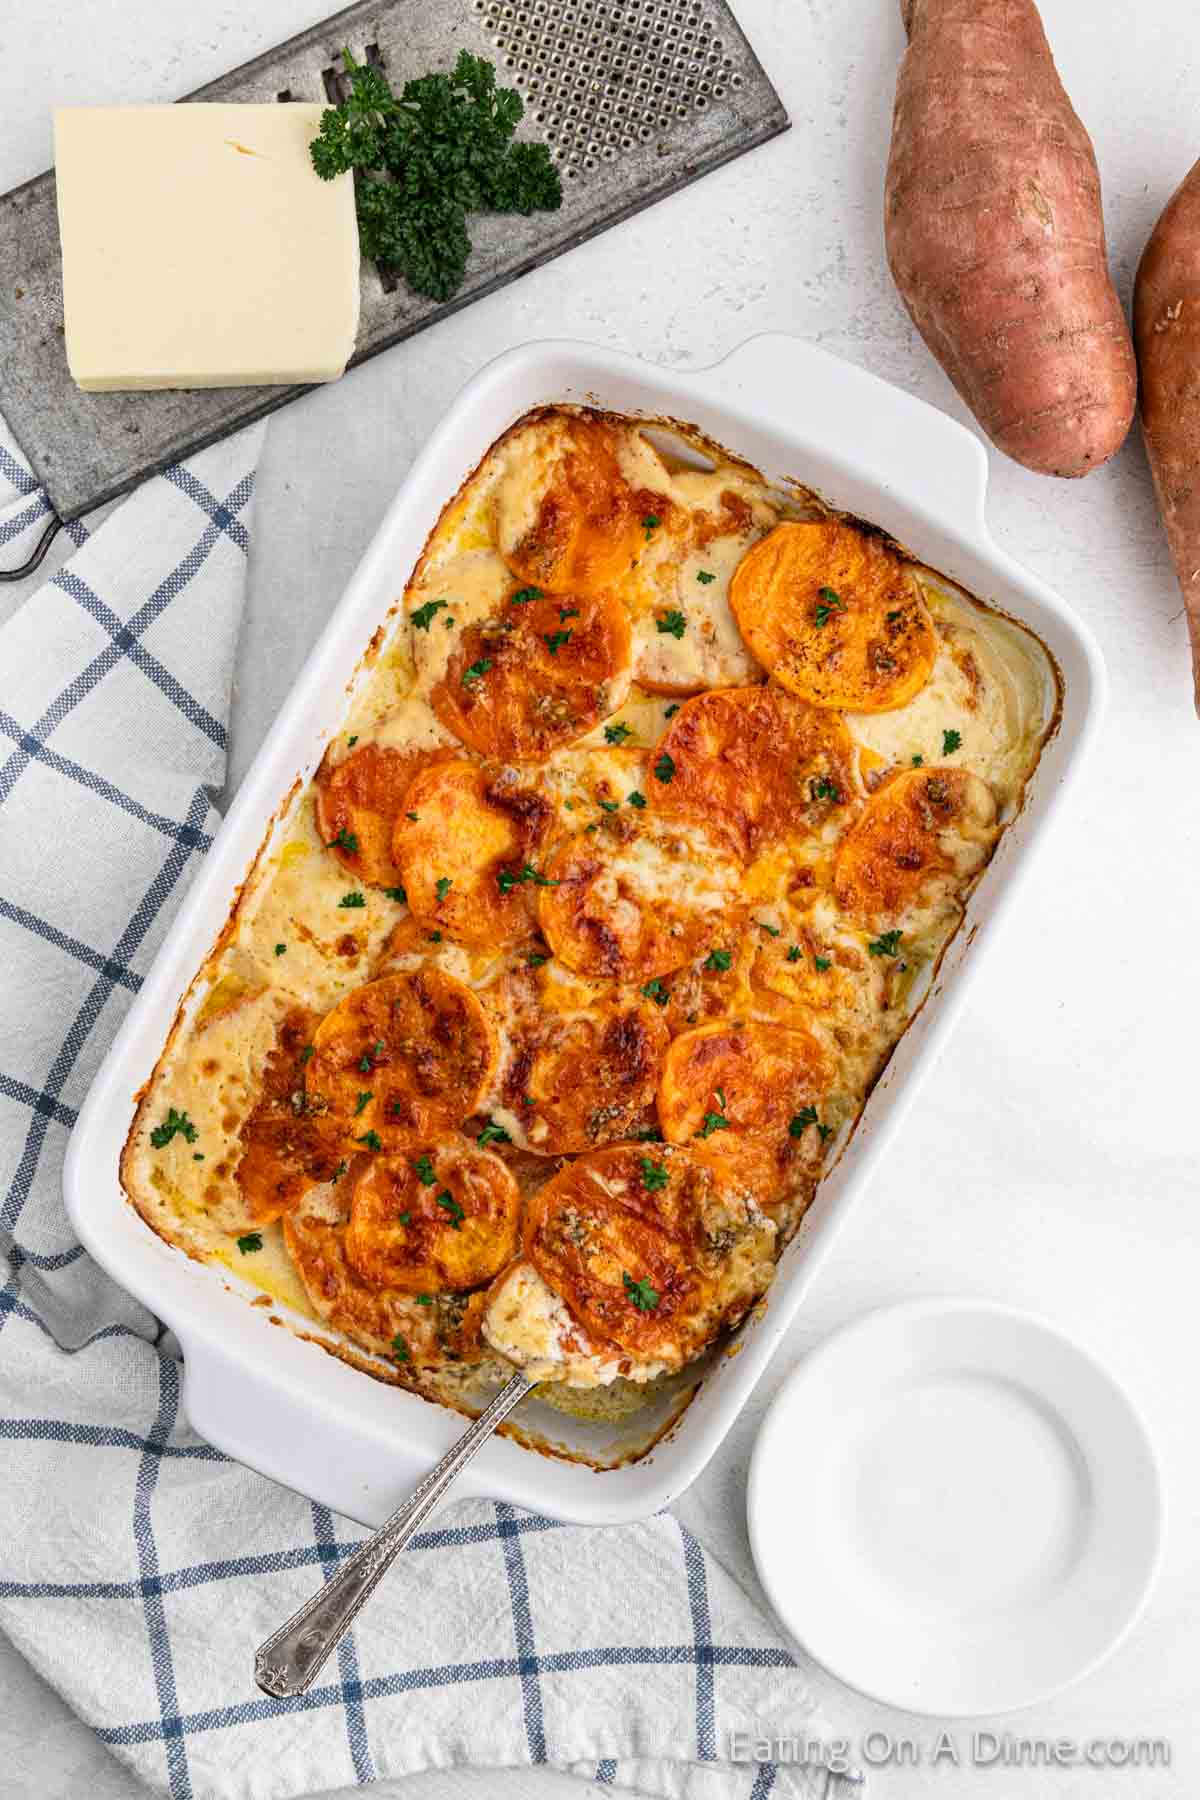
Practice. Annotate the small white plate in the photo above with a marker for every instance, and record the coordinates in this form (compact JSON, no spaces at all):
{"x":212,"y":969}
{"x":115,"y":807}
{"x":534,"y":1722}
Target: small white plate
{"x":954,"y":1508}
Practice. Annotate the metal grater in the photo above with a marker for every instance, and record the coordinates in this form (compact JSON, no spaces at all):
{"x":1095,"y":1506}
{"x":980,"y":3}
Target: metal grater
{"x":635,"y":100}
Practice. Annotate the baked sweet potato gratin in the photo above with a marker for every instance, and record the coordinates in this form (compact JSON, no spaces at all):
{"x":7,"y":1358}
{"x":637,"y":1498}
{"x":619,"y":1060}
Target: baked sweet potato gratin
{"x":538,"y":1019}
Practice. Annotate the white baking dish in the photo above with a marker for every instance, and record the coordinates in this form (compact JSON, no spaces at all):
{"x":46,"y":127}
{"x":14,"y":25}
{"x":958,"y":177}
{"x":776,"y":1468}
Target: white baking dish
{"x":284,"y":1405}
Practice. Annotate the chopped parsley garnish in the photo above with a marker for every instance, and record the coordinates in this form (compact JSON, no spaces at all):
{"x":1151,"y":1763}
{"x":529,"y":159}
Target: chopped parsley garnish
{"x":715,"y":1121}
{"x":506,"y":881}
{"x":664,"y":768}
{"x":951,"y":741}
{"x":917,"y":760}
{"x":671,"y":710}
{"x":413,"y":816}
{"x":351,"y":741}
{"x":616,"y":734}
{"x":281,"y":949}
{"x":477,"y":671}
{"x":434,"y":937}
{"x":523,"y":596}
{"x":774,"y":930}
{"x":893,"y":616}
{"x":404,"y":1218}
{"x":364,"y":1100}
{"x":371,"y":1139}
{"x":608,"y":805}
{"x":308,"y":1052}
{"x":651,"y":1135}
{"x":424,"y":1299}
{"x":705,"y":575}
{"x":535,"y":958}
{"x":568,"y":612}
{"x":349,"y":901}
{"x":650,"y":524}
{"x":654,"y":1175}
{"x":423,"y":617}
{"x":821,"y":963}
{"x":717,"y":959}
{"x":339,"y":1171}
{"x":398,"y":894}
{"x":795,"y":954}
{"x":423,"y":1170}
{"x":802,"y":1120}
{"x":443,"y":885}
{"x":450,"y":1206}
{"x":176,"y":1124}
{"x":400,"y":1349}
{"x":251,"y":1242}
{"x":824,"y":789}
{"x":886,"y":944}
{"x":554,"y":639}
{"x":345,"y":840}
{"x":636,"y":799}
{"x":654,"y":990}
{"x":828,"y":602}
{"x":493,"y":1134}
{"x":672,"y":624}
{"x":640,"y":1293}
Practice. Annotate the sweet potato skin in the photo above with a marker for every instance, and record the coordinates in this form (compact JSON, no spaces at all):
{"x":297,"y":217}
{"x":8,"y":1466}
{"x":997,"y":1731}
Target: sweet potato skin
{"x":1166,"y":329}
{"x":995,"y":235}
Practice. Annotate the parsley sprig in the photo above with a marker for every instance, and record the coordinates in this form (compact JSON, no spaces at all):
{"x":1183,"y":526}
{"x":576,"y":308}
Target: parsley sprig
{"x":426,"y":158}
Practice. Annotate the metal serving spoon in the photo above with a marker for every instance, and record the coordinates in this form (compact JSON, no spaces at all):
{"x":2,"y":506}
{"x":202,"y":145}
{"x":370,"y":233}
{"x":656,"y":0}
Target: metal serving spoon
{"x":289,"y":1660}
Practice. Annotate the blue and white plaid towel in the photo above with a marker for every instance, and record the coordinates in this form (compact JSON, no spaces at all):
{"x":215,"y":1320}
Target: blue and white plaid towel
{"x":140,"y":1567}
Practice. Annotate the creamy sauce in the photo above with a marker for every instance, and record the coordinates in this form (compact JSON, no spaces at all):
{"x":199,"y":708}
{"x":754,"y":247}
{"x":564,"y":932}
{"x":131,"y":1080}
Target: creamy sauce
{"x":307,"y":931}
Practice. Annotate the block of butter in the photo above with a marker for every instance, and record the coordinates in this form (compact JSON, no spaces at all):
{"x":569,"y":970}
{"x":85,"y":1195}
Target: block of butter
{"x":200,"y":247}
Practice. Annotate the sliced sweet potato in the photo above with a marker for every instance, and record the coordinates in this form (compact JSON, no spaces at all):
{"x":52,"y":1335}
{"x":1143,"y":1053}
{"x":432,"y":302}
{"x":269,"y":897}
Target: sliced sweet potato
{"x":388,"y":1320}
{"x":921,"y":826}
{"x":283,"y":1150}
{"x":400,"y":1061}
{"x":635,"y":899}
{"x":444,"y":1218}
{"x":736,"y":1082}
{"x":653,"y":1248}
{"x":461,"y":845}
{"x":835,"y":615}
{"x":357,"y":803}
{"x":755,"y":765}
{"x":586,"y":1078}
{"x":585,"y":527}
{"x":540,"y":675}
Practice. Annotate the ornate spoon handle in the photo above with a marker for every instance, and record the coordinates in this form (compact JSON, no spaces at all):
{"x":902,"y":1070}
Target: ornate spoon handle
{"x":288,"y":1661}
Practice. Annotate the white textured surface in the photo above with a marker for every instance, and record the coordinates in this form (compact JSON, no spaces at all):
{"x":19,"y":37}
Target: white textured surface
{"x":1051,"y":1161}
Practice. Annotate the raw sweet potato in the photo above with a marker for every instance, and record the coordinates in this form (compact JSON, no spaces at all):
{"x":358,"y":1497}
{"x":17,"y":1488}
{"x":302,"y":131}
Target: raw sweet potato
{"x":995,"y":235}
{"x":1166,"y":329}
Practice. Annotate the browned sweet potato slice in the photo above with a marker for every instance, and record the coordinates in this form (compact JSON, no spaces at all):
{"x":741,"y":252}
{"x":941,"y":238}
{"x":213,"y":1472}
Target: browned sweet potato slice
{"x":587,"y":1078}
{"x":995,"y":235}
{"x":754,"y":765}
{"x":461,"y":844}
{"x":283,"y":1151}
{"x":358,"y":802}
{"x":835,"y":615}
{"x":587,"y":526}
{"x":537,"y":677}
{"x":635,"y":899}
{"x":735,"y":1083}
{"x":441,"y":1219}
{"x":653,"y":1248}
{"x":400,"y":1061}
{"x":388,"y":1320}
{"x":922,"y":825}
